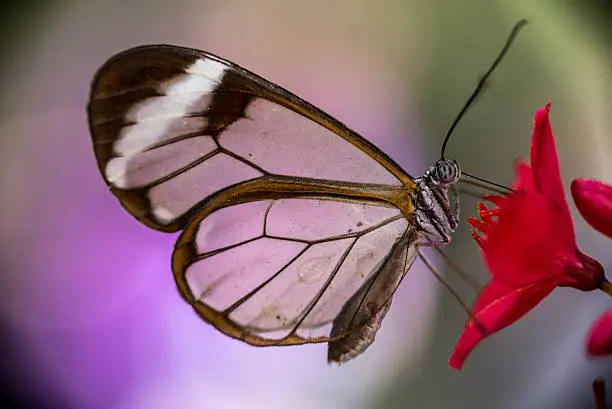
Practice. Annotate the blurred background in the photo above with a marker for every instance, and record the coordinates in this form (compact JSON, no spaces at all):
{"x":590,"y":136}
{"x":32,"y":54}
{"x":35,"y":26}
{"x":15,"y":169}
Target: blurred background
{"x":89,"y":314}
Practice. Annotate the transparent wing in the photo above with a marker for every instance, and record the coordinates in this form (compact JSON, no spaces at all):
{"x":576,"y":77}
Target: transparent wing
{"x":361,"y":316}
{"x":172,"y":127}
{"x":289,"y":271}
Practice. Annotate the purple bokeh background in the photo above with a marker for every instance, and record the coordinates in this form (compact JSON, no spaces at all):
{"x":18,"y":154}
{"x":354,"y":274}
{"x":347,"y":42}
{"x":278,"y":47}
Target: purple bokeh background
{"x":87,"y":293}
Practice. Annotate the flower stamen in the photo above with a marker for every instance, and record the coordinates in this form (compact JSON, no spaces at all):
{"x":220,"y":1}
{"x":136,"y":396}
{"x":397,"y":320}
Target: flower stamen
{"x":479,"y":224}
{"x":477,"y":237}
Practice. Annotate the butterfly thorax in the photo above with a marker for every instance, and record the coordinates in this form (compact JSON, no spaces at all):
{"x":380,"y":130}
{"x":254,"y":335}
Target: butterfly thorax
{"x":433,"y":213}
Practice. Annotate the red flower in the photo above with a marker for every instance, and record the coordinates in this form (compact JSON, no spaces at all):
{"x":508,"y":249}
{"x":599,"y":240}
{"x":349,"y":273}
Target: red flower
{"x":599,"y":339}
{"x":594,"y":202}
{"x":528,"y":245}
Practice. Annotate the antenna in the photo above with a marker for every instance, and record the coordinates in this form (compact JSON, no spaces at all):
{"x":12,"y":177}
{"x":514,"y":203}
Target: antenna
{"x":481,"y":84}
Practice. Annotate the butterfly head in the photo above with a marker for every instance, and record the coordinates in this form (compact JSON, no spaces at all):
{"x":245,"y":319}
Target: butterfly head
{"x":445,"y":172}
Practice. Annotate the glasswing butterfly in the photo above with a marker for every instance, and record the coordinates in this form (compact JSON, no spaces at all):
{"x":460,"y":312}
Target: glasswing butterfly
{"x":295,"y":229}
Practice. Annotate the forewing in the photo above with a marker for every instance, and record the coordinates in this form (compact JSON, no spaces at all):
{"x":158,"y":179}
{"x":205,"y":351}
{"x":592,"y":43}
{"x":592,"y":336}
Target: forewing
{"x":173,"y":126}
{"x":286,"y":271}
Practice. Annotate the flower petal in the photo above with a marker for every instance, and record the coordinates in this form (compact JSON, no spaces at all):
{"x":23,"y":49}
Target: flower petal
{"x":594,"y":202}
{"x":599,"y":338}
{"x":545,"y":163}
{"x":495,"y":199}
{"x":524,"y":178}
{"x":529,"y":241}
{"x":497,"y":307}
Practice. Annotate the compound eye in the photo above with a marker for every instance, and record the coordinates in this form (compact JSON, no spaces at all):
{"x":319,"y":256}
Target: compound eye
{"x":447,"y":171}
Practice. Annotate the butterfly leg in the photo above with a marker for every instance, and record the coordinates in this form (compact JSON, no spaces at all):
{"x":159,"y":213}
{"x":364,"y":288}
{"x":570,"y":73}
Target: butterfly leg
{"x":434,"y":215}
{"x":464,"y":275}
{"x":456,"y":207}
{"x":435,"y":234}
{"x":442,"y":281}
{"x":450,"y":289}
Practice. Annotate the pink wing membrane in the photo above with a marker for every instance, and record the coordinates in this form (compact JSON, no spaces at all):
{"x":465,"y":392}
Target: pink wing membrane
{"x":314,"y":256}
{"x":285,"y":143}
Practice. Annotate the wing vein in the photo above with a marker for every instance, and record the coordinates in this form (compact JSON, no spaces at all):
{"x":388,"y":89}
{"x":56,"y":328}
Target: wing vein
{"x":211,"y":253}
{"x":265,"y":221}
{"x":251,"y":293}
{"x":182,"y":170}
{"x":377,"y":275}
{"x":361,"y":232}
{"x":322,"y":291}
{"x":243,"y":160}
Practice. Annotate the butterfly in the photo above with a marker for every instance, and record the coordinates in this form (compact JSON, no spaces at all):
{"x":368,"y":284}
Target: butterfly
{"x":294,"y":228}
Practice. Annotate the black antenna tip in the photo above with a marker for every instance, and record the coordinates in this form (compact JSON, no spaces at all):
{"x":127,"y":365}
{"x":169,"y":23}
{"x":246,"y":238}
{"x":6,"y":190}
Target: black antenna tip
{"x":522,"y":22}
{"x":517,"y":27}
